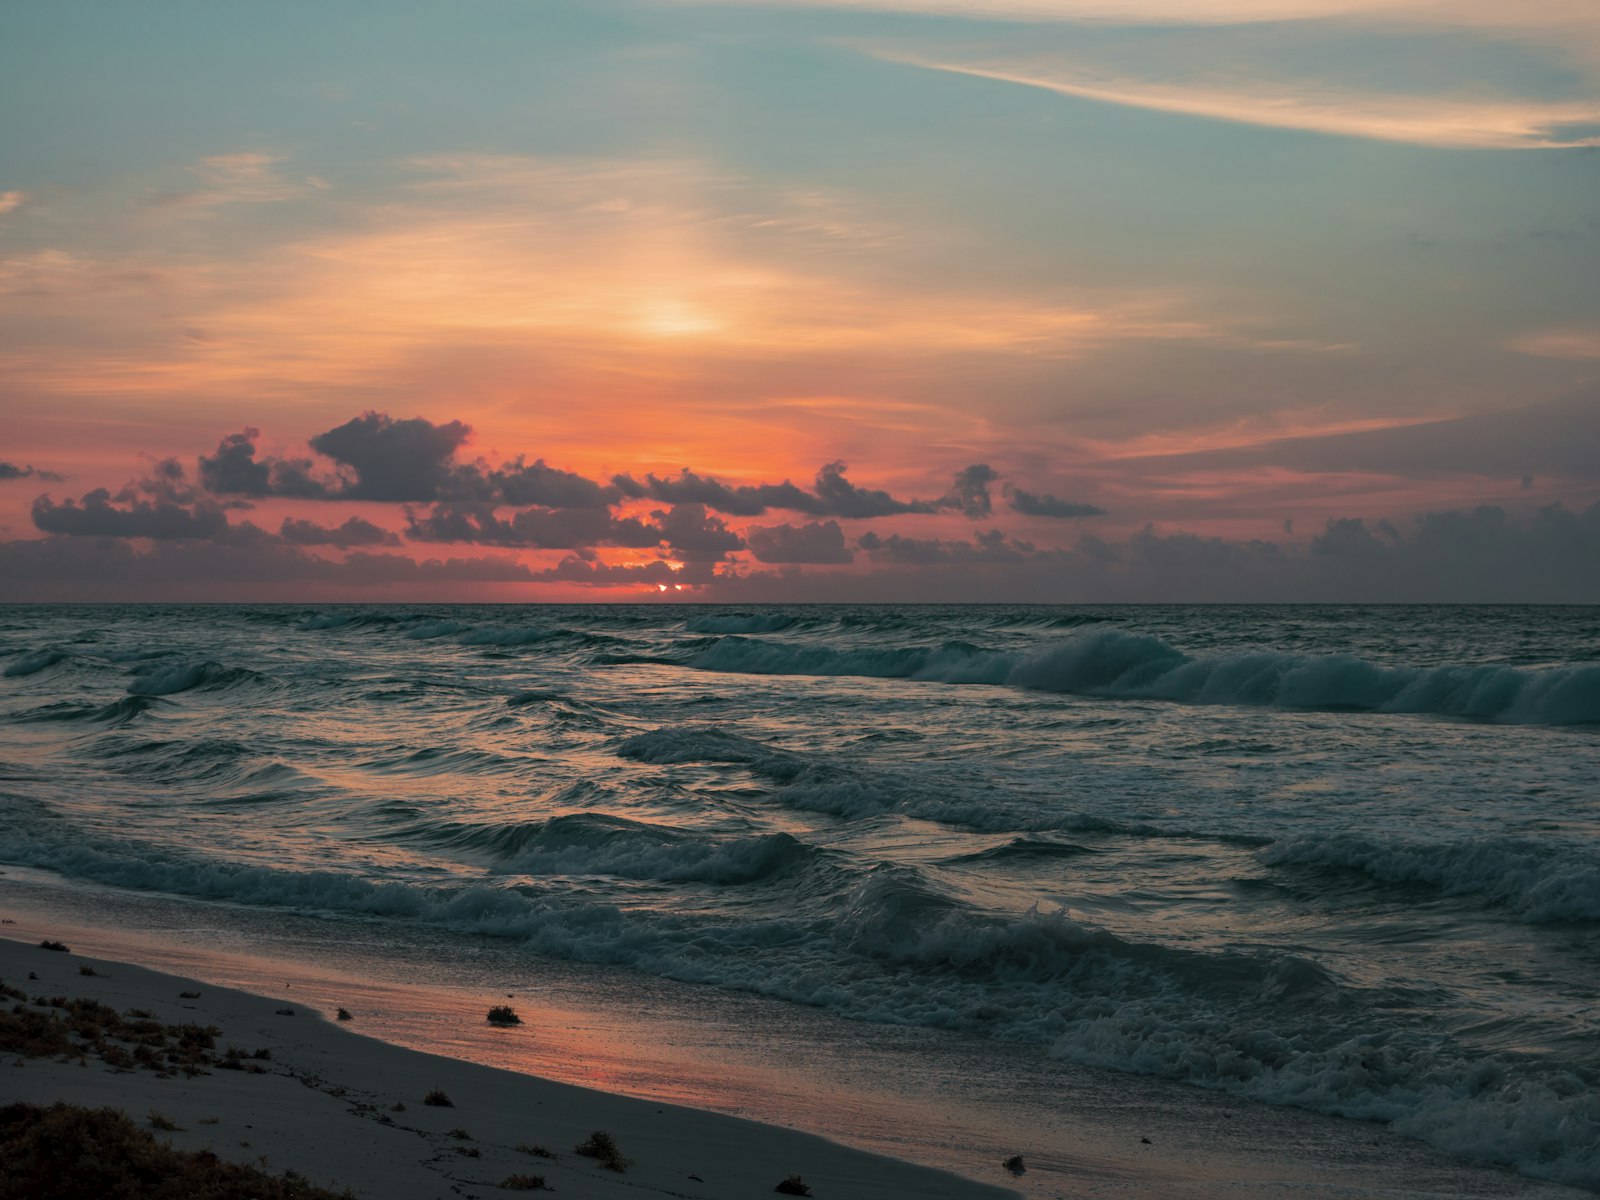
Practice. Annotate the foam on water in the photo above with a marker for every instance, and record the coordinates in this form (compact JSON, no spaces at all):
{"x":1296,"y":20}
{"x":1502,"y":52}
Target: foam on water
{"x":1224,"y":847}
{"x":1114,"y":663}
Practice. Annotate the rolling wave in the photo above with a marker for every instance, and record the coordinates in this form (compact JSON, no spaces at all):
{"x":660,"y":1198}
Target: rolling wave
{"x":1121,"y":665}
{"x":32,"y":664}
{"x":1537,"y":881}
{"x":1268,"y":1025}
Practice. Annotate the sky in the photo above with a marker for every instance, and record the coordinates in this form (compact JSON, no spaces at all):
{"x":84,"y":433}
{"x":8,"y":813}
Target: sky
{"x":800,"y":300}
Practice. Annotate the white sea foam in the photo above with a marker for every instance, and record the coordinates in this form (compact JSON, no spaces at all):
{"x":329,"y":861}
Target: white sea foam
{"x":1118,"y":664}
{"x":1268,"y":1026}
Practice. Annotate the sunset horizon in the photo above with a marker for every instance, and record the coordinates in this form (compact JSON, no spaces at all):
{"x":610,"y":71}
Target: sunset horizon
{"x":869,"y":599}
{"x":1156,"y":300}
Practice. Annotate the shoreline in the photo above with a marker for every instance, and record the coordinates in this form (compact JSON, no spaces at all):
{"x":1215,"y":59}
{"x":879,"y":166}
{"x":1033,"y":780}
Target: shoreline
{"x":324,"y":1105}
{"x":1079,"y":1129}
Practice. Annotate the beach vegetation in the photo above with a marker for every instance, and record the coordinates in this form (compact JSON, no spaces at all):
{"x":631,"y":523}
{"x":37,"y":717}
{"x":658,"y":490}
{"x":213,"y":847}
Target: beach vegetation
{"x":188,"y":995}
{"x":47,"y":944}
{"x":603,"y":1148}
{"x":67,"y":1152}
{"x":1015,"y":1165}
{"x":344,"y":1015}
{"x":460,"y":1135}
{"x":398,"y":1106}
{"x":164,"y":1123}
{"x":87,"y":970}
{"x":76,"y":1029}
{"x":523,"y":1183}
{"x":504,"y":1014}
{"x":793,"y":1186}
{"x":438,"y":1099}
{"x":537,"y":1151}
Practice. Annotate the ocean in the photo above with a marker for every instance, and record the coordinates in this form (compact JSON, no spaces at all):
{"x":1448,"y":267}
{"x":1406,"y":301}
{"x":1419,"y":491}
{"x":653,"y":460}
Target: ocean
{"x":1344,"y":859}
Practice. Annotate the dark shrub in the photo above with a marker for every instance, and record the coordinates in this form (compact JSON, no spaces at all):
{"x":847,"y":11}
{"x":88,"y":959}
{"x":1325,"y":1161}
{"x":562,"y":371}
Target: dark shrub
{"x":67,"y":1153}
{"x":602,"y":1147}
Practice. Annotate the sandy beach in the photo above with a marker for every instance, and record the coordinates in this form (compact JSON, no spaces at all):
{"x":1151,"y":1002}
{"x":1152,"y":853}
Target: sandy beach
{"x":590,"y":1058}
{"x":348,"y":1111}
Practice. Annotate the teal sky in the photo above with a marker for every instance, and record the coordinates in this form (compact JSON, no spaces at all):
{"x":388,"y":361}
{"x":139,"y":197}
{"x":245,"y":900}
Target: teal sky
{"x":1233,"y":271}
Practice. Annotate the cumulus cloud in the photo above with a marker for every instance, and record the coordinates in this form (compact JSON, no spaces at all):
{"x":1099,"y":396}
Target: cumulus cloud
{"x":970,"y":491}
{"x":814,"y":542}
{"x":737,"y":501}
{"x":1032,"y":504}
{"x":535,"y":528}
{"x":693,"y":535}
{"x":377,"y":457}
{"x":517,"y":483}
{"x":354,"y":532}
{"x":841,"y":498}
{"x":234,"y":471}
{"x":833,"y":496}
{"x":393,"y":460}
{"x":96,"y":516}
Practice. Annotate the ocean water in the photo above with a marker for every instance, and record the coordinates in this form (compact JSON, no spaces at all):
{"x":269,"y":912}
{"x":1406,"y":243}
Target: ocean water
{"x":1340,"y":858}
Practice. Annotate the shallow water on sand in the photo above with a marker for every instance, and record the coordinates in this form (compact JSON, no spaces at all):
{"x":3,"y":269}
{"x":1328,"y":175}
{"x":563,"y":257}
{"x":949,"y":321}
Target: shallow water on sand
{"x":1344,"y":859}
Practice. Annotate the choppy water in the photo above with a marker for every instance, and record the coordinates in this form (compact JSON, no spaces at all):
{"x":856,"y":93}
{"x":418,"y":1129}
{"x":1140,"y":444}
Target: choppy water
{"x":1341,"y":858}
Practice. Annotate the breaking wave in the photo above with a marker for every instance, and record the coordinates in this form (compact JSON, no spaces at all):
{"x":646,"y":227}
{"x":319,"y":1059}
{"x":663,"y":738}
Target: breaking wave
{"x":1117,"y":664}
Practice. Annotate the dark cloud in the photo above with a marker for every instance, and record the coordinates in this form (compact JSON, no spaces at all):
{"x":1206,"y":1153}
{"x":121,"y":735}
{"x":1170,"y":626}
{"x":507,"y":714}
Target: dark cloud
{"x":834,"y":495}
{"x":234,"y":471}
{"x":838,"y":497}
{"x":815,"y":542}
{"x":96,"y":516}
{"x":695,"y":536}
{"x":970,"y":491}
{"x":535,"y":528}
{"x":354,"y":532}
{"x":991,"y":547}
{"x":166,"y":483}
{"x":114,"y":568}
{"x":590,"y":573}
{"x":517,"y":483}
{"x":409,"y":461}
{"x":12,"y":471}
{"x":1032,"y":504}
{"x":394,"y":460}
{"x":687,"y":529}
{"x":689,"y":488}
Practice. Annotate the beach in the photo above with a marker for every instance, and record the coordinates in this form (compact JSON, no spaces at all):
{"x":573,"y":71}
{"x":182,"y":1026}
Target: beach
{"x":351,"y":1112}
{"x":320,"y":1107}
